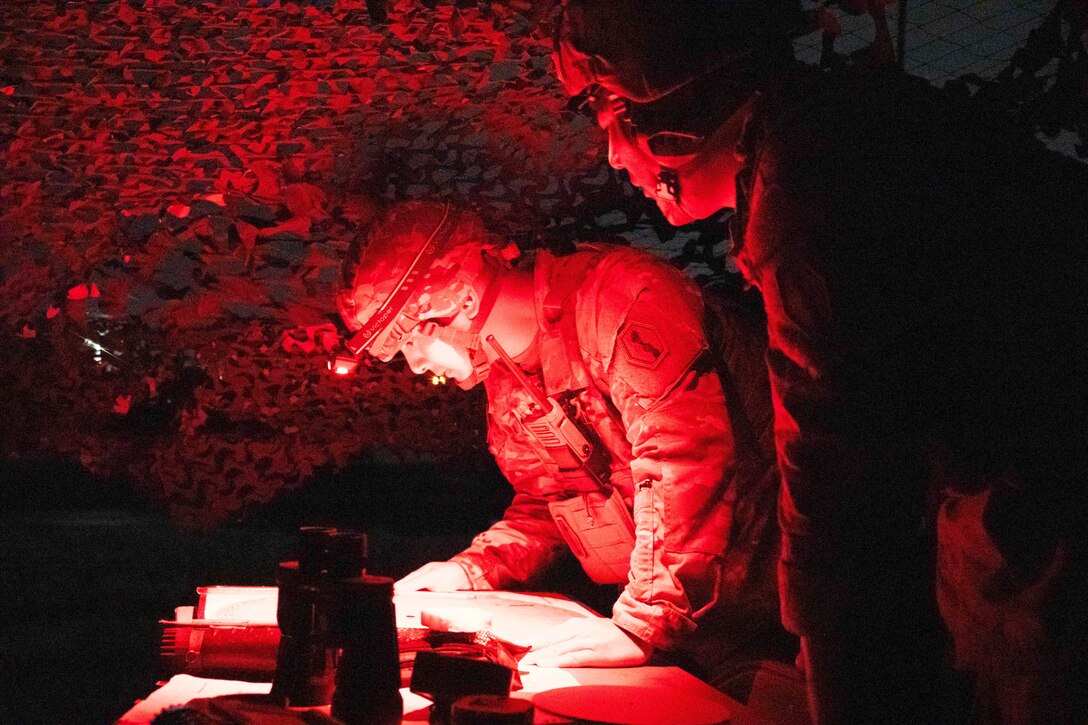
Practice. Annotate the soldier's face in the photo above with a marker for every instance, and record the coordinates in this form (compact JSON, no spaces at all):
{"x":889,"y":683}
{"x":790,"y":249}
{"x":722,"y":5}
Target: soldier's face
{"x":439,"y":357}
{"x":625,"y":152}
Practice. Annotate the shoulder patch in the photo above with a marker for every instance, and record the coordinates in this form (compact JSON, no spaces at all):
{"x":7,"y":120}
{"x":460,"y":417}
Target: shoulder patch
{"x":642,"y":344}
{"x":659,"y":340}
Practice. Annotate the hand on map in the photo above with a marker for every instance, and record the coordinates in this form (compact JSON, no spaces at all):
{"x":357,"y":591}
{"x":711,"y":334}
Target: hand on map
{"x":587,"y":642}
{"x":437,"y":576}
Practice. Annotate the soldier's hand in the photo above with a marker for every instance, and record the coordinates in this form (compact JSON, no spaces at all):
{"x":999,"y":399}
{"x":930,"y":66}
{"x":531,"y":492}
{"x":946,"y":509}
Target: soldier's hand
{"x":437,"y":576}
{"x":583,"y":642}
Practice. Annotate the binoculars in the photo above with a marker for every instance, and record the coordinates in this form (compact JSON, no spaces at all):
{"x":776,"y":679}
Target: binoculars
{"x":338,"y":634}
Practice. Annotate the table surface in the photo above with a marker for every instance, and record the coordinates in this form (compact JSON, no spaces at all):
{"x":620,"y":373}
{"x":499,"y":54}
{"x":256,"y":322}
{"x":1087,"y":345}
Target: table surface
{"x":515,"y":617}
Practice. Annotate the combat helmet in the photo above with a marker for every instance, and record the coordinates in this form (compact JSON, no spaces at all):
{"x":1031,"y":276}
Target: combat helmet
{"x":416,"y":258}
{"x":679,"y":66}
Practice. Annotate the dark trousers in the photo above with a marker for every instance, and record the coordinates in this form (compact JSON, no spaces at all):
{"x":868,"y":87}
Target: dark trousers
{"x":1020,"y":629}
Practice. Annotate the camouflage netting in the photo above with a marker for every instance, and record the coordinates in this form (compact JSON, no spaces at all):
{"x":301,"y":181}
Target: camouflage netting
{"x":179,"y":180}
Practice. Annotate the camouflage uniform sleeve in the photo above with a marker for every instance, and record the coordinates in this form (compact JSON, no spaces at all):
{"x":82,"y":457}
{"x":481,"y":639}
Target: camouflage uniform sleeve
{"x":836,"y":503}
{"x":526,"y":539}
{"x":681,"y":440}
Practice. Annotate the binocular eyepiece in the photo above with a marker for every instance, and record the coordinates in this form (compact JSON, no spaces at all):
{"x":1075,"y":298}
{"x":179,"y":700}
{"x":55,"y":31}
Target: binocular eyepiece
{"x":338,"y":635}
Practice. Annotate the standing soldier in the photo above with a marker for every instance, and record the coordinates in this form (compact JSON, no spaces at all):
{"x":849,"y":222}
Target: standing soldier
{"x":923,"y":273}
{"x":632,"y":421}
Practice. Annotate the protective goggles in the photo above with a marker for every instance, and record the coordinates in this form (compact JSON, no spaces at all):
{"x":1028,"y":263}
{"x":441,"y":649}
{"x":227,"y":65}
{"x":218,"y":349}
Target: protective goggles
{"x":637,"y":121}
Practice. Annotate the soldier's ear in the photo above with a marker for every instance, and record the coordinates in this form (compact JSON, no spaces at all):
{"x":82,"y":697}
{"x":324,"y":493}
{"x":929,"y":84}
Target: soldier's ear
{"x":470,"y":306}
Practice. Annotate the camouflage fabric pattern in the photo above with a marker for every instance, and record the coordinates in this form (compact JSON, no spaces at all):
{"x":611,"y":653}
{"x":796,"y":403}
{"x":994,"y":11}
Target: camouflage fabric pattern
{"x":666,"y":428}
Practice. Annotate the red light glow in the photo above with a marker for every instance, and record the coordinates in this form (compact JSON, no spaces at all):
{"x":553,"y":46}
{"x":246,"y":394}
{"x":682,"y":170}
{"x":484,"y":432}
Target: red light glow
{"x":343,"y":365}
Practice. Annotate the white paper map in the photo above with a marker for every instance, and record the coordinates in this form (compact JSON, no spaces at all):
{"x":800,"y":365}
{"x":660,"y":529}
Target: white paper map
{"x":514,"y":616}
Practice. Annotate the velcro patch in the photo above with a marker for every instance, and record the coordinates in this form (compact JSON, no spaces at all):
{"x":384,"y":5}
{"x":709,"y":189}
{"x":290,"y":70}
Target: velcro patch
{"x":659,"y":341}
{"x":642,"y":344}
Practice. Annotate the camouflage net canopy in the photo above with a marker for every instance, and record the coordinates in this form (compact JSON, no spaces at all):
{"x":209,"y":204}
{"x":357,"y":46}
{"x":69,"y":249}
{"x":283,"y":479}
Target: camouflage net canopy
{"x":179,"y":182}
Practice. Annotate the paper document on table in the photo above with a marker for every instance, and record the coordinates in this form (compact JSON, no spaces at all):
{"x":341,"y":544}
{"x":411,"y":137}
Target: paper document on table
{"x":182,"y":688}
{"x":257,"y":605}
{"x":514,"y":616}
{"x":253,"y":605}
{"x":541,"y":679}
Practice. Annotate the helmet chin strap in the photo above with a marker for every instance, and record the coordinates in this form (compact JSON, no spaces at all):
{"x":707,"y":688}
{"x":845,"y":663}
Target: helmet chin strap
{"x":470,"y":338}
{"x":481,"y":367}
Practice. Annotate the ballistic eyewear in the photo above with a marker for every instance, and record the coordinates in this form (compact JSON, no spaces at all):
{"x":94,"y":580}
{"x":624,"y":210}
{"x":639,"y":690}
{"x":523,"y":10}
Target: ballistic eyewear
{"x":635,"y":119}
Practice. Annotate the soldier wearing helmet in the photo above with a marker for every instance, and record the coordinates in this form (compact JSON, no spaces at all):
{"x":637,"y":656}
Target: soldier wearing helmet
{"x":631,"y":416}
{"x":920,"y":265}
{"x":415,"y":290}
{"x":667,"y":81}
